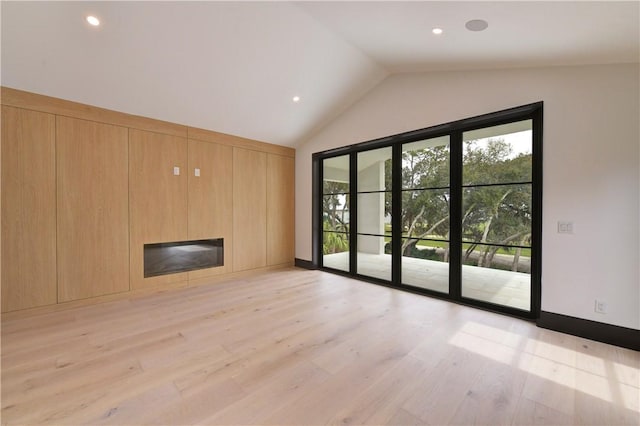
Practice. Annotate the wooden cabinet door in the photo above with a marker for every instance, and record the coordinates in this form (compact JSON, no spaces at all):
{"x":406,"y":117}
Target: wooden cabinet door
{"x":157,"y":199}
{"x":280,"y":209}
{"x":28,"y":209}
{"x":211,"y":199}
{"x":249,"y":209}
{"x":93,"y":216}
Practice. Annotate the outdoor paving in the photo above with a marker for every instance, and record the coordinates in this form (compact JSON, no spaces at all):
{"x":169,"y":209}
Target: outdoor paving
{"x":490,"y":285}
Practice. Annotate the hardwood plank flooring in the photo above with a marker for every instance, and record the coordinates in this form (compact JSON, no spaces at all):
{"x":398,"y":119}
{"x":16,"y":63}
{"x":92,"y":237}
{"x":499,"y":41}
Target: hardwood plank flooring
{"x":305,"y":347}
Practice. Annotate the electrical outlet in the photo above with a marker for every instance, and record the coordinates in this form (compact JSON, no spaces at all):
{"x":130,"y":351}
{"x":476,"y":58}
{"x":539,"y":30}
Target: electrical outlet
{"x":601,"y":307}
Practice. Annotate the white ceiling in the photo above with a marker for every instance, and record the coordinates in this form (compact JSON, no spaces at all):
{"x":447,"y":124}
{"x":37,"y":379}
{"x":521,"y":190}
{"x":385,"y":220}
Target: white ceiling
{"x":234,"y":67}
{"x":397,"y":35}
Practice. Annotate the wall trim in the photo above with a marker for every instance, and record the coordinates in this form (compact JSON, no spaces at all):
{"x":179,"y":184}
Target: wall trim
{"x":305,"y":264}
{"x":606,"y":333}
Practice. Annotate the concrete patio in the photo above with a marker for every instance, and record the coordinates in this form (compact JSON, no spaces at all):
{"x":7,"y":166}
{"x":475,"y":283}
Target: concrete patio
{"x":490,"y":285}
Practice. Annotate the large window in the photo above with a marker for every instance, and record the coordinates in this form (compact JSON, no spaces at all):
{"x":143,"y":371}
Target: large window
{"x":452,"y":211}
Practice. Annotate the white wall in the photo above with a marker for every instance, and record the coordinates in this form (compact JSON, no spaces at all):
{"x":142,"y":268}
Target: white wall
{"x":591,"y":168}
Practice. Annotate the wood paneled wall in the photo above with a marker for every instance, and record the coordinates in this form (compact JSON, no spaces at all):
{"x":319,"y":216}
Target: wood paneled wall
{"x":28,"y":209}
{"x":280,"y":209}
{"x":157,"y":199}
{"x":84,"y":188}
{"x":250,"y":209}
{"x":211,"y":199}
{"x":92,"y":209}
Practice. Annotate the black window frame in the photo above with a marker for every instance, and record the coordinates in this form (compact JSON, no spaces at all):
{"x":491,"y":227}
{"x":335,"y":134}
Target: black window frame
{"x":455,"y":130}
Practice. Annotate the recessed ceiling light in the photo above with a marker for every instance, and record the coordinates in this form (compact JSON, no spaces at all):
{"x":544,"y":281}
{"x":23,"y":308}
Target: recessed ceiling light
{"x":437,"y":31}
{"x":92,"y":20}
{"x":477,"y":25}
{"x":296,"y":99}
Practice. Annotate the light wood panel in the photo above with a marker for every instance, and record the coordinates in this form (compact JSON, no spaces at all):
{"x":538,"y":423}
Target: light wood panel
{"x":211,"y":199}
{"x":305,"y":347}
{"x":225,"y":139}
{"x":28,"y":209}
{"x":249,"y":209}
{"x":34,"y":101}
{"x":280,"y":209}
{"x":92,"y":209}
{"x":156,"y":213}
{"x":157,"y":199}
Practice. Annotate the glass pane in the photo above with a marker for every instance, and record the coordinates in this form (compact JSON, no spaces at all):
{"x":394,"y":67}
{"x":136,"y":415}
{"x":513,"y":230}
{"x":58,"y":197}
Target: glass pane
{"x":499,"y":154}
{"x":374,"y":213}
{"x":335,"y":175}
{"x":425,"y":213}
{"x":497,"y":214}
{"x":374,"y":170}
{"x":499,"y":275}
{"x":335,"y":212}
{"x":335,"y":250}
{"x":425,"y":164}
{"x":374,"y":256}
{"x":332,"y":187}
{"x":425,"y":264}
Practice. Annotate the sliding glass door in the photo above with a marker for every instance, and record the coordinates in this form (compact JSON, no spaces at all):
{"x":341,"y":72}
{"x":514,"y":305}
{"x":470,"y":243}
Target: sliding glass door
{"x":425,"y":214}
{"x":335,"y":213}
{"x":496,"y":214}
{"x":452,"y":211}
{"x":374,"y":213}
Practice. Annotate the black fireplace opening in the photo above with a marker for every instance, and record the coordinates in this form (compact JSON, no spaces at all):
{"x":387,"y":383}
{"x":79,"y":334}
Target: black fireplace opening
{"x":182,"y":256}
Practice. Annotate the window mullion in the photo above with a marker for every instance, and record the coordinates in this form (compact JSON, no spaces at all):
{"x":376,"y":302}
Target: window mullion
{"x":353,"y":212}
{"x":455,"y":218}
{"x":396,"y":215}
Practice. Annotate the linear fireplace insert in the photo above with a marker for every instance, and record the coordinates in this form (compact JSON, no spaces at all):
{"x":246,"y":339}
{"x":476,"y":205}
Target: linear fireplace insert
{"x":182,"y":256}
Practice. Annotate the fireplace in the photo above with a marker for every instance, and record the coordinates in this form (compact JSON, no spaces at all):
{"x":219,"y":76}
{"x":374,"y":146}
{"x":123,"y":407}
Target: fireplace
{"x":182,"y":256}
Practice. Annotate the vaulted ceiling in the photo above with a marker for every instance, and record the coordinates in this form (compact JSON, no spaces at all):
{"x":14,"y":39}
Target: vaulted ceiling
{"x":234,"y":67}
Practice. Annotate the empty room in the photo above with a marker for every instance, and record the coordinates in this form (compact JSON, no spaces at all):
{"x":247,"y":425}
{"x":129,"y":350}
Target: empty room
{"x":305,"y":213}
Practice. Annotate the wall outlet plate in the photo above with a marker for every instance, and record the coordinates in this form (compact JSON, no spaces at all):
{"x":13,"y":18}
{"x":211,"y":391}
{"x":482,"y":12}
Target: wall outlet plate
{"x":601,"y":307}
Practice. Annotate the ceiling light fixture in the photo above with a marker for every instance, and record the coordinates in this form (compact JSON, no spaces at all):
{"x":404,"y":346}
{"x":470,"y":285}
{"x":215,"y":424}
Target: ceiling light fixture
{"x":477,"y":25}
{"x":296,"y":99}
{"x":92,"y":20}
{"x":437,"y":31}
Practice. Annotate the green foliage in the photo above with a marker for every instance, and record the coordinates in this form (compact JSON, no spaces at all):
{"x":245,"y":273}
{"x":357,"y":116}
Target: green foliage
{"x":424,"y":253}
{"x":425,"y":199}
{"x":334,"y":242}
{"x":499,"y":214}
{"x":496,"y":214}
{"x":335,"y":217}
{"x":335,"y":206}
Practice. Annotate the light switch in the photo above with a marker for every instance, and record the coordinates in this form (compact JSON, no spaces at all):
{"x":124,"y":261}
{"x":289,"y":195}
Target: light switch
{"x":196,"y":172}
{"x":176,"y":171}
{"x":565,"y":227}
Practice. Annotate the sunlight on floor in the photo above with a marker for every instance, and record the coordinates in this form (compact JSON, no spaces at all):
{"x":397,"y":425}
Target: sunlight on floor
{"x":608,"y":381}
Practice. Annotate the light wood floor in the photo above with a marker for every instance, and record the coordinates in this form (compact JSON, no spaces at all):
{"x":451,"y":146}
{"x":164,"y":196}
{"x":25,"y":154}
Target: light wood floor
{"x":305,"y":347}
